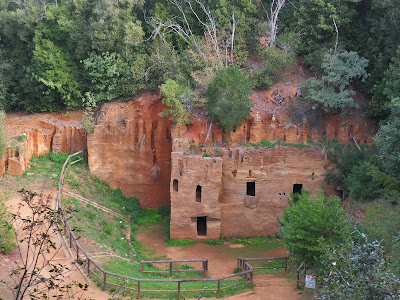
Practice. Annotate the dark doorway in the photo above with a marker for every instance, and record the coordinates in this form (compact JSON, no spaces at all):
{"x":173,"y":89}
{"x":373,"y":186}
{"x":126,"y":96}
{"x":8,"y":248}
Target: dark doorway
{"x":297,"y":188}
{"x":202,"y":226}
{"x":251,"y":189}
{"x":175,"y":185}
{"x":198,"y":193}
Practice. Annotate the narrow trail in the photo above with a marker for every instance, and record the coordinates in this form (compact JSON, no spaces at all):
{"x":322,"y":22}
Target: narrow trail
{"x":62,"y":257}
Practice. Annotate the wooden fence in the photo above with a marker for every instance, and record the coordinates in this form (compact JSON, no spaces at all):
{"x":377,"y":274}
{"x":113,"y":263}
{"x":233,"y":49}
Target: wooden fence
{"x":203,"y":261}
{"x":92,"y":268}
{"x":243,"y":261}
{"x":301,"y":272}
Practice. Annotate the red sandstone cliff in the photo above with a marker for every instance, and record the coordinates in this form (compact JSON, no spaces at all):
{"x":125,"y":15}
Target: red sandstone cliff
{"x":37,"y":134}
{"x":130,"y":148}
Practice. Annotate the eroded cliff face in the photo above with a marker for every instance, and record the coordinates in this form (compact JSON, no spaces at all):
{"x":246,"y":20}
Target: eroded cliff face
{"x":242,"y":193}
{"x":130,"y":148}
{"x":38,"y":134}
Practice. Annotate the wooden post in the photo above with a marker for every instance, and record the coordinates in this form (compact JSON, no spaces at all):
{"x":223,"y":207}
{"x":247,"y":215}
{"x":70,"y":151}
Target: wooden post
{"x":104,"y":281}
{"x":179,"y":290}
{"x":77,"y":253}
{"x":70,"y":239}
{"x":205,"y":273}
{"x":219,"y":288}
{"x":205,"y":268}
{"x":138,"y":289}
{"x":142,"y":266}
{"x":88,"y":266}
{"x":251,"y":280}
{"x":170,"y":269}
{"x":286,"y":259}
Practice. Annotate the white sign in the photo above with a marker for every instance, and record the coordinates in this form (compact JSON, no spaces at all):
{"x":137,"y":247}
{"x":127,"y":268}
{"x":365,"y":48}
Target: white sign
{"x":310,"y":281}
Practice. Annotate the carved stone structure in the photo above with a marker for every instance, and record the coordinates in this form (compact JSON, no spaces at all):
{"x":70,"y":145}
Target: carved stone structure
{"x":242,"y":193}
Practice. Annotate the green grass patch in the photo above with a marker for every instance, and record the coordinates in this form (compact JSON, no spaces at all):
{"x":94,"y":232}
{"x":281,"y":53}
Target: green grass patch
{"x":133,"y":270}
{"x":215,"y":242}
{"x":180,"y":242}
{"x":269,"y":144}
{"x":272,"y":266}
{"x":267,"y":242}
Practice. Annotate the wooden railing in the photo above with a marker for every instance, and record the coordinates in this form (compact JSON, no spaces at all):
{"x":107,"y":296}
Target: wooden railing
{"x":242,"y":261}
{"x":92,"y":268}
{"x":203,"y":261}
{"x":301,"y":272}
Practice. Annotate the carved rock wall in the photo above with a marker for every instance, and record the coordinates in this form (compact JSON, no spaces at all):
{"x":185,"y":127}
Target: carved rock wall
{"x":243,"y":192}
{"x":196,"y":184}
{"x":130,"y":142}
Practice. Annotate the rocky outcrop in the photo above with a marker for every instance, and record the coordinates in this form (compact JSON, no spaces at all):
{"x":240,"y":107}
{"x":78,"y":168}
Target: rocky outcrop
{"x":130,"y":148}
{"x":37,"y":134}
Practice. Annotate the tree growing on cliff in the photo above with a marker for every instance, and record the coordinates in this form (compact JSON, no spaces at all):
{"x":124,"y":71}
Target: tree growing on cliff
{"x":228,"y":98}
{"x":310,"y":225}
{"x":179,"y":99}
{"x":332,"y":91}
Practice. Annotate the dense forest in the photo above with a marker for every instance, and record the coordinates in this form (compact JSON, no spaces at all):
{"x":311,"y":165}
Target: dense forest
{"x":66,"y":55}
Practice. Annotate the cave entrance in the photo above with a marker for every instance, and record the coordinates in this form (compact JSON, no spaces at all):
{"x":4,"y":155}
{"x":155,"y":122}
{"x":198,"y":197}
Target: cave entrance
{"x":198,"y":193}
{"x":201,"y":226}
{"x":297,"y":187}
{"x":175,"y":185}
{"x":251,"y":188}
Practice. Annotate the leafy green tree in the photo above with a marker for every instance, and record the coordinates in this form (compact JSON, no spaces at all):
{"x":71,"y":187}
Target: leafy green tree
{"x":361,"y":183}
{"x":388,"y":142}
{"x":107,"y":73}
{"x":88,"y":117}
{"x":310,"y":225}
{"x":56,"y":77}
{"x":275,"y":61}
{"x":314,"y":19}
{"x":228,"y":98}
{"x":359,"y":271}
{"x":178,"y":98}
{"x":332,"y":91}
{"x":388,"y":88}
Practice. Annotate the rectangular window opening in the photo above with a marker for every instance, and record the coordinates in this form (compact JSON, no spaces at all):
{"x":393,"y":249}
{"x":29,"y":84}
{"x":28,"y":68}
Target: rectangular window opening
{"x":297,"y":188}
{"x":202,"y":226}
{"x":198,"y":193}
{"x":251,"y":189}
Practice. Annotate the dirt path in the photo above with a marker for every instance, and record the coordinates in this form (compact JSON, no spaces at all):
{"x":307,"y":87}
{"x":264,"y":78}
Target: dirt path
{"x":271,"y":287}
{"x":10,"y":262}
{"x":222,"y":260}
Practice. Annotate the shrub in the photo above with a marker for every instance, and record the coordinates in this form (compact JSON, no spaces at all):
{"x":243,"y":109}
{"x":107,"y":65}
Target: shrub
{"x":217,"y":151}
{"x":107,"y":227}
{"x":228,"y":98}
{"x":359,"y":271}
{"x":310,"y":225}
